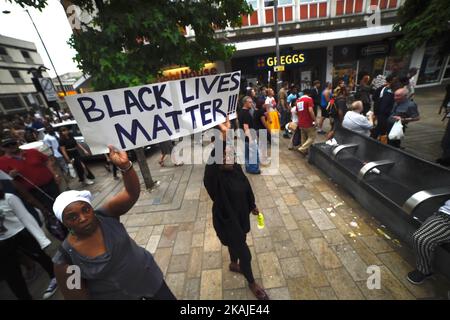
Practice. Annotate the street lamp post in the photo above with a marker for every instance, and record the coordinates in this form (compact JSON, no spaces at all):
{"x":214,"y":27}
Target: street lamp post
{"x":46,"y":51}
{"x":277,"y":46}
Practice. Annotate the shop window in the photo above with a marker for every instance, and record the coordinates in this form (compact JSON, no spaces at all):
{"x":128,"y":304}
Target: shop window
{"x":16,"y":75}
{"x":4,"y":55}
{"x":312,"y":9}
{"x":253,"y":3}
{"x":11,"y":103}
{"x":397,"y":65}
{"x":431,"y":68}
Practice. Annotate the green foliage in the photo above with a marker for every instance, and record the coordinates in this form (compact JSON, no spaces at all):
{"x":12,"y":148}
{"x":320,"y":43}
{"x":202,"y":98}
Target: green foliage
{"x":422,"y":21}
{"x":115,"y":58}
{"x":38,"y":4}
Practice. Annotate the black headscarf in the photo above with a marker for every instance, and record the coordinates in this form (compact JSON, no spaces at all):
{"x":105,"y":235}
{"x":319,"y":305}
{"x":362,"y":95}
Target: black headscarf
{"x":233,"y":200}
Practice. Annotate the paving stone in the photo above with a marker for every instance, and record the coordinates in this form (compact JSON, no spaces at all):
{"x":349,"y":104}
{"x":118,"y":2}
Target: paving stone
{"x":152,"y":243}
{"x":212,"y":260}
{"x":321,"y":219}
{"x":400,"y":269}
{"x":197,"y":239}
{"x":291,"y":199}
{"x":310,"y":204}
{"x":158,"y":230}
{"x":393,"y":286}
{"x":195,"y":263}
{"x":279,"y":234}
{"x":175,"y":281}
{"x":292,"y":268}
{"x":212,"y":242}
{"x":235,"y":294}
{"x":211,"y":285}
{"x":298,"y":240}
{"x":334,"y":237}
{"x":183,"y":242}
{"x":162,"y":257}
{"x":377,"y":244}
{"x":271,"y":272}
{"x":298,"y":212}
{"x":192,"y":289}
{"x":343,"y":285}
{"x":179,"y":263}
{"x":263,"y":244}
{"x":285,"y":249}
{"x":168,"y":236}
{"x":352,"y":262}
{"x":323,"y":253}
{"x":325,"y":293}
{"x":364,"y":252}
{"x":309,"y":229}
{"x":301,"y":289}
{"x":289,"y":221}
{"x":279,"y":293}
{"x":373,"y":294}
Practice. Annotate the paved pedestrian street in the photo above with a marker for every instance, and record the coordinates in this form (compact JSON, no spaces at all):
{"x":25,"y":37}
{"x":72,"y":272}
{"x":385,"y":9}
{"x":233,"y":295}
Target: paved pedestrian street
{"x":318,"y":242}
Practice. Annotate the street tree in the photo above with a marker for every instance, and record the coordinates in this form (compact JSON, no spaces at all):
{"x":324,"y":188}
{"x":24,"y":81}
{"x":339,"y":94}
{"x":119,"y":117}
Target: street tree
{"x":422,"y":21}
{"x":128,"y":42}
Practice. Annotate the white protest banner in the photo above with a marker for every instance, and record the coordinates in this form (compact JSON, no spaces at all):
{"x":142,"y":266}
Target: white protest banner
{"x":134,"y":117}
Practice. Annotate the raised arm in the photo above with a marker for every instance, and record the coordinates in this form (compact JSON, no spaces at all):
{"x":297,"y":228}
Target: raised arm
{"x":124,"y":200}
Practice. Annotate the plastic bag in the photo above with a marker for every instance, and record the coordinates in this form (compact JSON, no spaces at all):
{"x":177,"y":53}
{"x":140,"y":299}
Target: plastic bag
{"x":72,"y":171}
{"x":396,"y":132}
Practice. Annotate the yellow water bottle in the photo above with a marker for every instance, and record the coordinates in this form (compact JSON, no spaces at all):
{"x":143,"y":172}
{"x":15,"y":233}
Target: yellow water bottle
{"x":260,"y":219}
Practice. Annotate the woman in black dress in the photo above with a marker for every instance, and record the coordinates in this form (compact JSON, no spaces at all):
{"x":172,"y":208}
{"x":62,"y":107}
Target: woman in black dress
{"x":69,"y":148}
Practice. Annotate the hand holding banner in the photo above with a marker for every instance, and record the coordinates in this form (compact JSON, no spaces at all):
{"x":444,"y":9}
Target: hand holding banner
{"x":134,"y":117}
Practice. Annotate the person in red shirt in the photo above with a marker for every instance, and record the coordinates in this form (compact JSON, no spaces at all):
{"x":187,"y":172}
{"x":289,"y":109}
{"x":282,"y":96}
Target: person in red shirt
{"x":32,"y":170}
{"x":306,"y":121}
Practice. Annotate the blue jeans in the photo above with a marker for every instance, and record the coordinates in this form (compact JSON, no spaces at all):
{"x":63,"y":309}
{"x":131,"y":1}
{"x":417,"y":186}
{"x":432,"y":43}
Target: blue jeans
{"x":251,"y":157}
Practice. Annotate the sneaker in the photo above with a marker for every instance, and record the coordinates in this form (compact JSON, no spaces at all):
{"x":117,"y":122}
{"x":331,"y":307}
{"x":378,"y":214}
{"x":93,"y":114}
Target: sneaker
{"x":417,"y":277}
{"x":88,"y":182}
{"x":51,"y":289}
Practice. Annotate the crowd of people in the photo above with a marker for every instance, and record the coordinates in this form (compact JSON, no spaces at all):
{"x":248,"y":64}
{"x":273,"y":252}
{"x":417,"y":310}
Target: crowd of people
{"x":372,"y":110}
{"x":112,"y":265}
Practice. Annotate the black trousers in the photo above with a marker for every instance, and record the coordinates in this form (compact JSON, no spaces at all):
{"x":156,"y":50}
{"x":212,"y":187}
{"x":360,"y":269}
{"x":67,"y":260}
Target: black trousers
{"x":242,"y":253}
{"x":25,"y":243}
{"x":78,"y":165}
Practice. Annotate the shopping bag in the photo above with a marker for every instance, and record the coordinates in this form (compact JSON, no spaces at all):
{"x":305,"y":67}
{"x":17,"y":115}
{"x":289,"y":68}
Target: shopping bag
{"x":72,"y":171}
{"x":396,"y":132}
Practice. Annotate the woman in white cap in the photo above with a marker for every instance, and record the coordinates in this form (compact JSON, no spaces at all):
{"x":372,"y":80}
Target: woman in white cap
{"x":105,"y":263}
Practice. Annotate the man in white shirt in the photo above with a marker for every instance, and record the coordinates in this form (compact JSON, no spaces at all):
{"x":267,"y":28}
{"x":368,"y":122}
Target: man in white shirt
{"x":51,"y":140}
{"x":355,"y":121}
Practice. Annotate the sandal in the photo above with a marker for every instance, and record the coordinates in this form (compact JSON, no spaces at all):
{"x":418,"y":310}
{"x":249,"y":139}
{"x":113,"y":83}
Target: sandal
{"x":161,"y":163}
{"x":259,"y":292}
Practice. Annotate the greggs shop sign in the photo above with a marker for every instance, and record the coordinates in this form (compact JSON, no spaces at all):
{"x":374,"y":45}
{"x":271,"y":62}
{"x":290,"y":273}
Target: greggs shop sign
{"x":288,"y":59}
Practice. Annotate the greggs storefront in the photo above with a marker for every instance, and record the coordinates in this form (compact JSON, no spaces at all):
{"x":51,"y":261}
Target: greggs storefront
{"x":184,"y":72}
{"x":300,"y":67}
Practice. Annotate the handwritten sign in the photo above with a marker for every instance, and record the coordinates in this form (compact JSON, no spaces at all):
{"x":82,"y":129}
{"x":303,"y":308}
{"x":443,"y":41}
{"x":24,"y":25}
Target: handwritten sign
{"x":134,"y":117}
